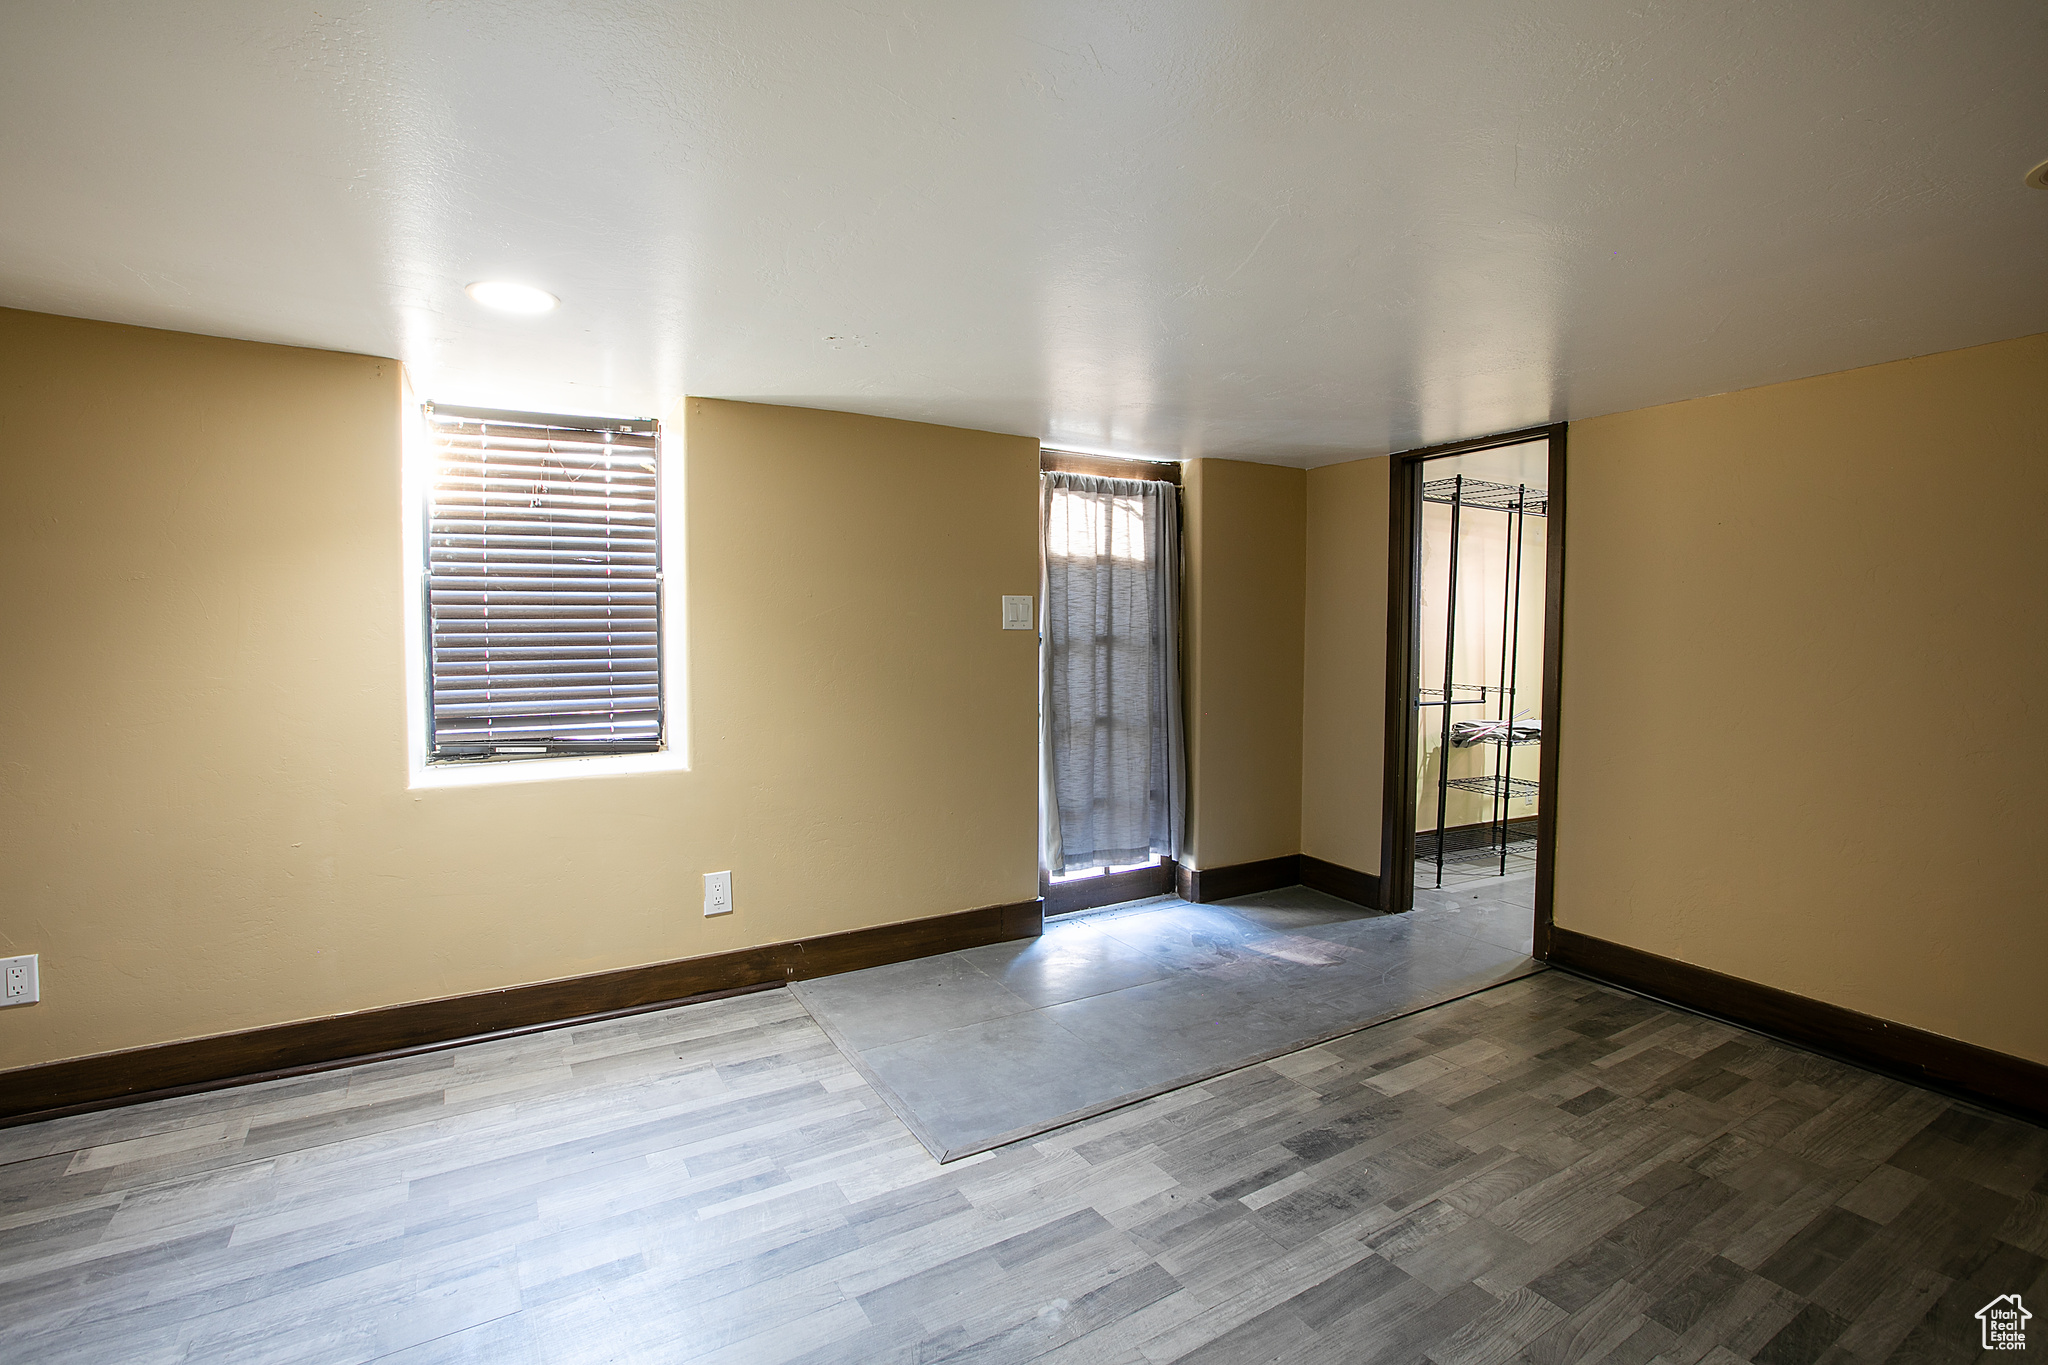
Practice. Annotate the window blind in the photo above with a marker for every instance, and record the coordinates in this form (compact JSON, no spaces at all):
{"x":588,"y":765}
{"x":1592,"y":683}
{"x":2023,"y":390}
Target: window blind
{"x":543,"y":586}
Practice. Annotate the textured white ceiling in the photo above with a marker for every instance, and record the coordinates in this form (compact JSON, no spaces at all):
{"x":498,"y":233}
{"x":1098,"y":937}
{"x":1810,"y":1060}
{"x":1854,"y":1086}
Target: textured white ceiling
{"x":1295,"y":232}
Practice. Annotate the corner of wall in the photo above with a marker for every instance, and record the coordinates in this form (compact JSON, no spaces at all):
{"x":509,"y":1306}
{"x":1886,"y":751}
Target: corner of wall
{"x":1245,"y":552}
{"x":1344,"y":662}
{"x":1800,"y":637}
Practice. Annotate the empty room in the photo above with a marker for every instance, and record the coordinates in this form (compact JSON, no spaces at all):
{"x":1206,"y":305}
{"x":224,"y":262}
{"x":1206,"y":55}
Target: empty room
{"x":1130,"y":683}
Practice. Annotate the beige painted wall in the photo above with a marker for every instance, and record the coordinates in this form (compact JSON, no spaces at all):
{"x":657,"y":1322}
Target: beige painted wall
{"x":1805,"y":638}
{"x":204,"y":819}
{"x":1344,"y":669}
{"x":204,"y":823}
{"x":1245,"y":554}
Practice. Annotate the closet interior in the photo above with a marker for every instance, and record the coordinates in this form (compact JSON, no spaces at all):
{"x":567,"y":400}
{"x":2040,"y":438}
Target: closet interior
{"x":1479,"y":699}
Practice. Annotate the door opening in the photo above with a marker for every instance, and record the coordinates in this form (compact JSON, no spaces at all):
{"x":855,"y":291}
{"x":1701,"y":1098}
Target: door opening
{"x":1475,"y":577}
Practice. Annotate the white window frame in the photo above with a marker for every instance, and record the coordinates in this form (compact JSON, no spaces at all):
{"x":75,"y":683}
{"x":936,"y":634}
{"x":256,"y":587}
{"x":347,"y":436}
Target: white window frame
{"x":416,"y":485}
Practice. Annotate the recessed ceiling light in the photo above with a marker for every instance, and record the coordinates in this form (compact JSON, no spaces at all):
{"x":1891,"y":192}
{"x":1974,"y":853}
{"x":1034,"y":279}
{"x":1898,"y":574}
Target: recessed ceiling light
{"x":508,"y":297}
{"x":2038,"y":177}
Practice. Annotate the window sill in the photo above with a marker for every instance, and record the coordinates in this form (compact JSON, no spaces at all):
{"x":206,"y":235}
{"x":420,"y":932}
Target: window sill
{"x":506,"y":771}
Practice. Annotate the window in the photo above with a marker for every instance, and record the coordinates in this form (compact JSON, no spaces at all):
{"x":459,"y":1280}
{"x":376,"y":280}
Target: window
{"x":1111,"y":755}
{"x":542,"y":586}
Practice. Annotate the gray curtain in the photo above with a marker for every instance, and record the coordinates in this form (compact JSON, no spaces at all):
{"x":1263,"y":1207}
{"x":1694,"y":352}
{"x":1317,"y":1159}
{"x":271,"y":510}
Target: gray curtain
{"x":1112,"y":764}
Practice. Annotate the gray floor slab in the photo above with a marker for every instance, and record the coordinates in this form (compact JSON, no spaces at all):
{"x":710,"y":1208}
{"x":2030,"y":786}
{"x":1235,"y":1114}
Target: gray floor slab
{"x":986,"y":1046}
{"x":1473,"y":868}
{"x":909,"y":999}
{"x":989,"y":1078}
{"x":1072,"y":966}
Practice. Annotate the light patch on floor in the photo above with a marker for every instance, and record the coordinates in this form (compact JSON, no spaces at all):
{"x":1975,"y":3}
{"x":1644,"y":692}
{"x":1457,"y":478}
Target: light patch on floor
{"x":991,"y":1045}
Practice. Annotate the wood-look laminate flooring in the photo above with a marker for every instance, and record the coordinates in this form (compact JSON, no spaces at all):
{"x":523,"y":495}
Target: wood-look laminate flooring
{"x":1546,"y":1171}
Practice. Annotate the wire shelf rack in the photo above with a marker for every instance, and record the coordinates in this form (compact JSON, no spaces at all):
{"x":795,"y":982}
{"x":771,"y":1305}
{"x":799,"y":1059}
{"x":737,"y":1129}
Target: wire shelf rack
{"x":1488,"y":496}
{"x":1477,"y":843}
{"x":1490,"y":785}
{"x":1462,"y":694}
{"x":1517,"y":502}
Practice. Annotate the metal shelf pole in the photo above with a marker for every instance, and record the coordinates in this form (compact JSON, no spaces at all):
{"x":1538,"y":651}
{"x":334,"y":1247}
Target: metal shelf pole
{"x":1513,"y":663}
{"x":1443,"y":753}
{"x":1519,"y":502}
{"x":1497,"y":808}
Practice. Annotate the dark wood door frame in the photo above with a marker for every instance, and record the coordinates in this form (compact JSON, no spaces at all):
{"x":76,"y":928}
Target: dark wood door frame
{"x":1404,"y":582}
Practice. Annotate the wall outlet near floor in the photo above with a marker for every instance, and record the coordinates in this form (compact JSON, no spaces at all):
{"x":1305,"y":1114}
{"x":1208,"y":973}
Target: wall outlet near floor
{"x":19,"y":981}
{"x":718,"y":893}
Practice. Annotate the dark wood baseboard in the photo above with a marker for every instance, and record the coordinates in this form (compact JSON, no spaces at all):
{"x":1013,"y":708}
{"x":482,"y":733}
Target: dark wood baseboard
{"x":1335,"y":879}
{"x":1976,"y":1073}
{"x":1206,"y":884}
{"x":146,"y":1073}
{"x":1111,"y":888}
{"x":1215,"y":883}
{"x":1202,"y":885}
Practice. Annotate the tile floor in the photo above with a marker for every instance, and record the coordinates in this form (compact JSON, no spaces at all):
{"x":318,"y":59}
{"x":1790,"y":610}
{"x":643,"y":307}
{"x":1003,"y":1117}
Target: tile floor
{"x":1470,"y":869}
{"x":1482,"y":884}
{"x":990,"y":1045}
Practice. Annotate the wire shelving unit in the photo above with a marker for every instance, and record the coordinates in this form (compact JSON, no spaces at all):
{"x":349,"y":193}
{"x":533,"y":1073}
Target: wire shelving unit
{"x":1518,"y":502}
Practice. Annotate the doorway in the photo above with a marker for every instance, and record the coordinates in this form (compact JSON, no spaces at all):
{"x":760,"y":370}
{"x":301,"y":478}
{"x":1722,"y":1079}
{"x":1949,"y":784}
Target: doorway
{"x":1475,"y":576}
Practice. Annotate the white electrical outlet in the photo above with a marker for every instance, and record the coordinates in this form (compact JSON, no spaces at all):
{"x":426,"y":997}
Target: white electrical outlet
{"x":1017,"y":613}
{"x":718,"y":893}
{"x":19,"y":984}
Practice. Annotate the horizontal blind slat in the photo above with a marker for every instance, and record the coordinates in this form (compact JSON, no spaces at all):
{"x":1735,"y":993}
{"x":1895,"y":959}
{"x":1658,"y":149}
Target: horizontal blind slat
{"x":460,"y":432}
{"x":483,"y":700}
{"x":565,"y":724}
{"x":618,"y":644}
{"x":529,"y":515}
{"x":509,"y":708}
{"x":467,"y":646}
{"x":521,"y":577}
{"x":588,"y":514}
{"x":617,"y":451}
{"x":480,"y":620}
{"x":635,"y":479}
{"x":502,"y":676}
{"x":457,"y":485}
{"x":579,"y":570}
{"x":615,"y":603}
{"x":541,"y":525}
{"x":579,"y":564}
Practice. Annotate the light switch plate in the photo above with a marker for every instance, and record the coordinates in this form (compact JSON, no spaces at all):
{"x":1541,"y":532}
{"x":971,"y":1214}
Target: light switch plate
{"x":718,"y":893}
{"x":19,"y":981}
{"x":1017,"y":613}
